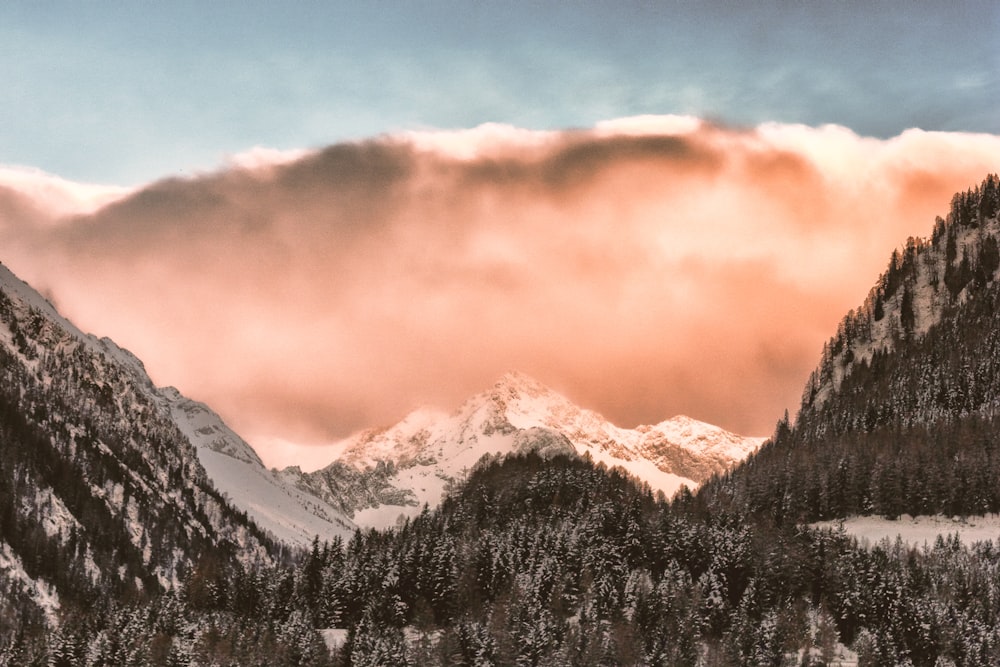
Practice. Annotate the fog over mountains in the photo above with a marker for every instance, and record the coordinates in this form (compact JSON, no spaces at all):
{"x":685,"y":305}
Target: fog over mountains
{"x":643,"y":267}
{"x":386,"y":474}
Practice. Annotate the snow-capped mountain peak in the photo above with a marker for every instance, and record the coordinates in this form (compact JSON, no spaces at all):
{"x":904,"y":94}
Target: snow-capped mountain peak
{"x":387,"y":472}
{"x":526,"y":402}
{"x":700,"y":437}
{"x":517,"y":385}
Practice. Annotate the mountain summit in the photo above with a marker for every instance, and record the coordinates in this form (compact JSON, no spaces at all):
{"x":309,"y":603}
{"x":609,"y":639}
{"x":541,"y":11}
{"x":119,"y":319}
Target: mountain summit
{"x":385,"y":473}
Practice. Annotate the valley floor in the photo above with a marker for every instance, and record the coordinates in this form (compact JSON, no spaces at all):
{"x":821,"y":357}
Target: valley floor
{"x":918,"y":530}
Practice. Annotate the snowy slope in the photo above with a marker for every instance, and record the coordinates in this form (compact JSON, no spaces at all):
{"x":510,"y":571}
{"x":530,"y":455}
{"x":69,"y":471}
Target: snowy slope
{"x":291,"y":514}
{"x":917,"y":531}
{"x":383,"y":474}
{"x":108,"y":491}
{"x":54,"y":326}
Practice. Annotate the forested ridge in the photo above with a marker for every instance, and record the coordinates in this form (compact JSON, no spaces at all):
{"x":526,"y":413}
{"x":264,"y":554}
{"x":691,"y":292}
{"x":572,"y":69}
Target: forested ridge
{"x":561,"y":562}
{"x":101,"y":497}
{"x":894,"y":420}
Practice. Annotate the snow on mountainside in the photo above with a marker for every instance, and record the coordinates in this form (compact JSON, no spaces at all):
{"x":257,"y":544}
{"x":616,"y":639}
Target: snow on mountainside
{"x":98,"y":486}
{"x":383,"y":474}
{"x":30,"y":300}
{"x":291,"y":514}
{"x":287,"y":512}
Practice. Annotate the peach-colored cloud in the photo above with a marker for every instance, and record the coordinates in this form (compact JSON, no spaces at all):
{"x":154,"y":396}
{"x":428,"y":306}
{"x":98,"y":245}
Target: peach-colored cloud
{"x":647,"y":267}
{"x":57,"y":197}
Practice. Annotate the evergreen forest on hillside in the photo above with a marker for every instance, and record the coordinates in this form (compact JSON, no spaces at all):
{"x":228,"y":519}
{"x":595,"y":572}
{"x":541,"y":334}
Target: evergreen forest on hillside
{"x":558,"y":562}
{"x":912,"y":428}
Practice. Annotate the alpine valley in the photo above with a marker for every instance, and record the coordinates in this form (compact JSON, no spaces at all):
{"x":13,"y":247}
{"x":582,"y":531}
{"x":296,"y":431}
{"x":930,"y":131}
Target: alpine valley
{"x":136,"y":528}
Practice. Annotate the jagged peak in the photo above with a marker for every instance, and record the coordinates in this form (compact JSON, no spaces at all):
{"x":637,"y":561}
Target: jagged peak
{"x":686,"y":426}
{"x":518,"y":382}
{"x":515,"y":393}
{"x":684,"y":420}
{"x":172,"y":393}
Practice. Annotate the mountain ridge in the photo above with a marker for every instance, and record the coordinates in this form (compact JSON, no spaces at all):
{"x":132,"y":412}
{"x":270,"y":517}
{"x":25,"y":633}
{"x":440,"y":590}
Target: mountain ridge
{"x":928,"y":279}
{"x":288,"y":513}
{"x":99,"y":489}
{"x":393,"y":471}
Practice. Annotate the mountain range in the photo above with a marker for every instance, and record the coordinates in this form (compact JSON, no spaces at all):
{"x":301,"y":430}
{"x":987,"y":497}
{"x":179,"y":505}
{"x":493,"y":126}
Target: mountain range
{"x":386,"y":474}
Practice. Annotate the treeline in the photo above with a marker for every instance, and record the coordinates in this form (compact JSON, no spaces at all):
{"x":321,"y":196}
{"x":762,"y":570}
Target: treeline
{"x":560,"y":562}
{"x":948,"y":467}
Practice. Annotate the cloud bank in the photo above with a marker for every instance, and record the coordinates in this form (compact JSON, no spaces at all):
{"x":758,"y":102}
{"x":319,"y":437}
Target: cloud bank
{"x":646,"y":267}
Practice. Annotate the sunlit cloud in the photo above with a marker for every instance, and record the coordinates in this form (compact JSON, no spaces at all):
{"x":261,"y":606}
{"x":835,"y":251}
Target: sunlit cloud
{"x":645,"y":267}
{"x":55,"y":196}
{"x":262,"y":157}
{"x":648,"y":125}
{"x":488,"y":139}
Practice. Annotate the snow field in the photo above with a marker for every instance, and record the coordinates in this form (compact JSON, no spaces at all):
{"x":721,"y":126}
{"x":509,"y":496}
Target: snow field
{"x":917,"y":531}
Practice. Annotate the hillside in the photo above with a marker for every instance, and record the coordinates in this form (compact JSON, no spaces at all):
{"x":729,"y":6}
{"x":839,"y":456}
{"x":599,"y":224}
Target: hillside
{"x":100,"y":492}
{"x":901,"y":414}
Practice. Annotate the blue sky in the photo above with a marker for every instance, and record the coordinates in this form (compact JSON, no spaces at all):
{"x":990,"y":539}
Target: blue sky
{"x":128,"y":92}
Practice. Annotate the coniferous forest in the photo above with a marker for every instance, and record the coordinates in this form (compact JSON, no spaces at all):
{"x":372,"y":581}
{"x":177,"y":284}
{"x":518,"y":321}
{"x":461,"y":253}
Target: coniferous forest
{"x":559,"y":562}
{"x":536,"y":560}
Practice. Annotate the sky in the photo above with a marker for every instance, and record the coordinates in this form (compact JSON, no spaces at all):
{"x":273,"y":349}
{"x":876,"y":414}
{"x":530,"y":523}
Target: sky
{"x":128,"y":92}
{"x":318,"y":216}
